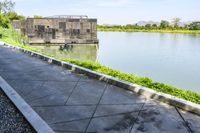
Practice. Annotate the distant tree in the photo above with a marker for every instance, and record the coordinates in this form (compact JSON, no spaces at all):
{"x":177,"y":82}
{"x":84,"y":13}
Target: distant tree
{"x":194,"y":26}
{"x":36,"y":16}
{"x":154,"y":25}
{"x":164,"y":24}
{"x":186,"y":26}
{"x":148,"y":26}
{"x":175,"y":22}
{"x":6,"y":6}
{"x":14,"y":16}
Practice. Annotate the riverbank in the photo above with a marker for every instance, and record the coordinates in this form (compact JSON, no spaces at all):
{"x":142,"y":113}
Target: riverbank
{"x":113,"y":29}
{"x":160,"y":87}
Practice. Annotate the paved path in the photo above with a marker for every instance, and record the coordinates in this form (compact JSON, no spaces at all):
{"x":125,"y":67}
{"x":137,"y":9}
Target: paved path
{"x":72,"y":103}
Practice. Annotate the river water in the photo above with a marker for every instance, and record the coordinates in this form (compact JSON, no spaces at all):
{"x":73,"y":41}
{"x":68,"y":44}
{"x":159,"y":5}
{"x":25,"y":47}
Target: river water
{"x":168,"y":58}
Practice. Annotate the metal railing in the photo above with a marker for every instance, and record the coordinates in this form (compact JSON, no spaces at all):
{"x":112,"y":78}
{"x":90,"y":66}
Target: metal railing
{"x":69,"y":16}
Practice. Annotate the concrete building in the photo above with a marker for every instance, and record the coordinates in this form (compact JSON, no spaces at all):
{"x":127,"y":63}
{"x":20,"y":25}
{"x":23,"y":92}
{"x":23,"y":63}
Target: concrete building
{"x":59,"y":30}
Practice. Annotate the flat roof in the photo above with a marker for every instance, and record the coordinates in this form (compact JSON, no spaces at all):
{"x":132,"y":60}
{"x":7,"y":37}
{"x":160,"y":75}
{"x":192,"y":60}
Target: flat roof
{"x":71,"y":19}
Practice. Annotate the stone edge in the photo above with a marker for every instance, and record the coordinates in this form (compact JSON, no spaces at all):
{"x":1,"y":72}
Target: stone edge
{"x":147,"y":92}
{"x":38,"y":124}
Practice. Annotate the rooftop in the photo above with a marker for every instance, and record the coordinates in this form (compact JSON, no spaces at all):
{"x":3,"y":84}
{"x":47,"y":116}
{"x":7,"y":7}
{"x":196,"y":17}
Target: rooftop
{"x":69,"y":16}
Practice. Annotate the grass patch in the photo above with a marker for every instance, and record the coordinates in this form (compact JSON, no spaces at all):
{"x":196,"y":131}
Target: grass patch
{"x":144,"y":81}
{"x":113,"y":29}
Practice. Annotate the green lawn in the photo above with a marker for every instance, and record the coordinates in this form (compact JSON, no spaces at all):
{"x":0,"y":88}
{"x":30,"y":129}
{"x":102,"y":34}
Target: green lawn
{"x":14,"y":38}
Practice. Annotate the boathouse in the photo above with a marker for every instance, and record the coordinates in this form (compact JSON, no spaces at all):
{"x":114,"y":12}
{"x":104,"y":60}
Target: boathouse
{"x":59,"y":30}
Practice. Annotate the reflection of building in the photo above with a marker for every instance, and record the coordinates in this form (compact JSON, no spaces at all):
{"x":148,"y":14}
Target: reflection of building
{"x":59,"y":29}
{"x":75,"y":52}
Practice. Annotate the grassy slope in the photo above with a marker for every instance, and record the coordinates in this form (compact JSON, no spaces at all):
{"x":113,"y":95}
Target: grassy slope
{"x":160,"y":87}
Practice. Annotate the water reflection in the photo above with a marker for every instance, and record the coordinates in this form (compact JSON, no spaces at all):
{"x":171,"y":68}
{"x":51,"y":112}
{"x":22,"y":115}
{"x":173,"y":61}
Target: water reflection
{"x":77,"y":52}
{"x":168,"y":58}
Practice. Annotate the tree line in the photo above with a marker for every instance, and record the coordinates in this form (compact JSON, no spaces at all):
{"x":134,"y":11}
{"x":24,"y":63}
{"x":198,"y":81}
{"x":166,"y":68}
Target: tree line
{"x":164,"y":25}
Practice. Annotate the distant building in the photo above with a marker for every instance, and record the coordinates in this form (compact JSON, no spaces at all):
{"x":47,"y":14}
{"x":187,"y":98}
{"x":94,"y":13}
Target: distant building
{"x":59,"y":29}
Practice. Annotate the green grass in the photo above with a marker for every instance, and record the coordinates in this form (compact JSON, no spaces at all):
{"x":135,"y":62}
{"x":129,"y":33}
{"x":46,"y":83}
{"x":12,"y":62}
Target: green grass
{"x":144,"y":81}
{"x":113,"y":29}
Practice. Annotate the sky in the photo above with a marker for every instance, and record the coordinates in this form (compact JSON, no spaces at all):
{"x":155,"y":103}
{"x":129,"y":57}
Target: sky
{"x":113,"y":11}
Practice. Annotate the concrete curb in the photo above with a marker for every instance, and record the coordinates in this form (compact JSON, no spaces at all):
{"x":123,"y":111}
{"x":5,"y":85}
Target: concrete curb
{"x":31,"y":116}
{"x":147,"y":92}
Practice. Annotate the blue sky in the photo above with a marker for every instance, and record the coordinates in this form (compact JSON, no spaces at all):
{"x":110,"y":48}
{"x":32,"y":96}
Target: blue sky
{"x":113,"y":11}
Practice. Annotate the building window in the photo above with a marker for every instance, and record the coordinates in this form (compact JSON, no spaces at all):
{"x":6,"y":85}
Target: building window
{"x":88,"y":30}
{"x":41,"y":28}
{"x":36,"y":28}
{"x":76,"y":32}
{"x":62,"y":25}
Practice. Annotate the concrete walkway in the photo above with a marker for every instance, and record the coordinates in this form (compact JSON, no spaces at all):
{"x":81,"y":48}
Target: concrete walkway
{"x":72,"y":103}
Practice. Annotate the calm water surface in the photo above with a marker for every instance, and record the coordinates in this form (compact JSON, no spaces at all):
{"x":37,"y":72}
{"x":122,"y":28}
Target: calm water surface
{"x":169,"y":58}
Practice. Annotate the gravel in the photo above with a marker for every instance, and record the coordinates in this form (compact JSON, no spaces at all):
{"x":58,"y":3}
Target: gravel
{"x":11,"y":120}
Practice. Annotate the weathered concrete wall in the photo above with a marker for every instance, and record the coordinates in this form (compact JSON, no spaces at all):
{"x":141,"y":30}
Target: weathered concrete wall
{"x":59,"y":30}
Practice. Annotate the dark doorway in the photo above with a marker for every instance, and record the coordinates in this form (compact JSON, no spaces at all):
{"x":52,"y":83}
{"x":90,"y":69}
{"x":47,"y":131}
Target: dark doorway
{"x":53,"y":33}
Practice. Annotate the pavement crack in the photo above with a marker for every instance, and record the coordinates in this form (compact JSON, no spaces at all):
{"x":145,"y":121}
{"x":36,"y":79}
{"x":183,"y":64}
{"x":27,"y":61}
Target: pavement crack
{"x":72,"y":91}
{"x":106,"y":86}
{"x":100,"y":116}
{"x":137,"y":116}
{"x":185,"y":121}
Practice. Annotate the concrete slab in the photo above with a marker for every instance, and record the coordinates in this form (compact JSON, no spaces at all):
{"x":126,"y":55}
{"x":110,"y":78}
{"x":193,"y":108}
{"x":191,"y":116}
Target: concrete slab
{"x":113,"y":124}
{"x":157,"y":118}
{"x":18,"y":77}
{"x":86,"y":93}
{"x":191,"y":120}
{"x":116,"y":95}
{"x":39,"y":93}
{"x":24,"y":88}
{"x":107,"y":110}
{"x":60,"y":97}
{"x":56,"y":77}
{"x":57,"y":114}
{"x":71,"y":126}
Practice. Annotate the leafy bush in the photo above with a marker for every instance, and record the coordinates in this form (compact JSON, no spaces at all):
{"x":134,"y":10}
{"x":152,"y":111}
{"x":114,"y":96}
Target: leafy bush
{"x":4,"y":21}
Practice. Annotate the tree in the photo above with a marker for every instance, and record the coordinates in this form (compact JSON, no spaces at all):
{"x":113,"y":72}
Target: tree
{"x":6,"y":6}
{"x":175,"y":22}
{"x":194,"y":26}
{"x":14,"y":16}
{"x":7,"y":14}
{"x":4,"y":21}
{"x":148,"y":26}
{"x":154,"y":25}
{"x":36,"y":16}
{"x":164,"y":24}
